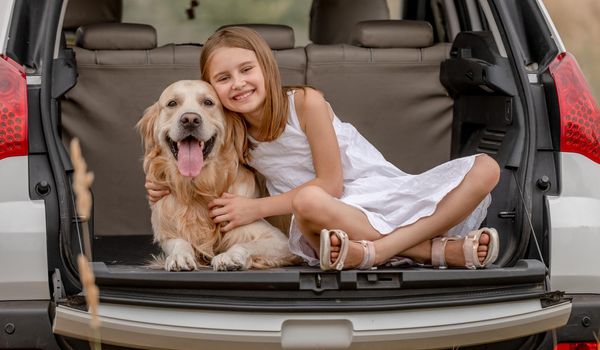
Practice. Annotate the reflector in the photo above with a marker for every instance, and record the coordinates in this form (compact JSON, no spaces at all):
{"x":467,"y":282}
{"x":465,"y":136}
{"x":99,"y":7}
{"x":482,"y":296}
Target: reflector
{"x":13,"y":109}
{"x":577,"y":346}
{"x":579,"y":112}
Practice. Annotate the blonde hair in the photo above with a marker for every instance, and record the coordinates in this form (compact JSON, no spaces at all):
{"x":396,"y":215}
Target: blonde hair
{"x":276,"y":106}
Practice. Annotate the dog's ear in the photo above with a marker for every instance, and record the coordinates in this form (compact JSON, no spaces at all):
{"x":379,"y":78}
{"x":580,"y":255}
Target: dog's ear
{"x":237,"y":135}
{"x":146,"y":127}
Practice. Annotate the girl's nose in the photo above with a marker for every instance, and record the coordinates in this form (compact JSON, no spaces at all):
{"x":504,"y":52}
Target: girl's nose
{"x":239,"y":83}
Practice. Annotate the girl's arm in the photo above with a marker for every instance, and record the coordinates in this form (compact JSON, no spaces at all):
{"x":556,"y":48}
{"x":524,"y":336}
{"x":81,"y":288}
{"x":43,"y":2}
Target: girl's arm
{"x":315,"y":118}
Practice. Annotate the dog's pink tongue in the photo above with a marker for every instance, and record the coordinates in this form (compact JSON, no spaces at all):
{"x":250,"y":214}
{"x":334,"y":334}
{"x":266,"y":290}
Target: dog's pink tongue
{"x":189,"y":157}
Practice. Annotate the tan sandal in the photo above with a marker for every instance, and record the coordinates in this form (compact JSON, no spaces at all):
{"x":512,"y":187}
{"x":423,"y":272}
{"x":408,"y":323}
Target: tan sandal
{"x":325,"y":251}
{"x":470,"y":245}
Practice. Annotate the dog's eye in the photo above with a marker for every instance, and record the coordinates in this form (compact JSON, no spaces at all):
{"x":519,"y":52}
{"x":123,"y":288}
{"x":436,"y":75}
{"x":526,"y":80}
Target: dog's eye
{"x":208,"y":102}
{"x":172,"y":103}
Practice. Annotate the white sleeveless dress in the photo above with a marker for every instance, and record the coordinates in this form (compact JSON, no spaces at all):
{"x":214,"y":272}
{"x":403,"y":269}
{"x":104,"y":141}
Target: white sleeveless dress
{"x":389,"y":197}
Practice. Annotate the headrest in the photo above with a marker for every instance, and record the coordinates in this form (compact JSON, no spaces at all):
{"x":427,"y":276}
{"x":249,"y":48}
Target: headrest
{"x":277,"y":36}
{"x":332,"y":21}
{"x":392,"y":34}
{"x":116,"y":36}
{"x":84,"y":12}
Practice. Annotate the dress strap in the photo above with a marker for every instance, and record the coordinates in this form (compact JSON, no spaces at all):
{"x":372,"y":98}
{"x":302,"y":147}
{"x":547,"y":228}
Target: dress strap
{"x":293,"y":117}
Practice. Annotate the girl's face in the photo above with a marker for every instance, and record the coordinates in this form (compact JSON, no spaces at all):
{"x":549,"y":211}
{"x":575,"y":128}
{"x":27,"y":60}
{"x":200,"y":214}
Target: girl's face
{"x":239,"y":81}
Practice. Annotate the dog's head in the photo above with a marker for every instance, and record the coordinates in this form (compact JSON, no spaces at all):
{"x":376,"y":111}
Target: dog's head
{"x":187,"y":123}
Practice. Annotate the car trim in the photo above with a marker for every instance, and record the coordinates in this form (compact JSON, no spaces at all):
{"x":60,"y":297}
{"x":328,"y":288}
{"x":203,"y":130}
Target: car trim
{"x":34,"y":80}
{"x":57,"y":45}
{"x":487,"y":11}
{"x":551,"y":26}
{"x":424,"y":328}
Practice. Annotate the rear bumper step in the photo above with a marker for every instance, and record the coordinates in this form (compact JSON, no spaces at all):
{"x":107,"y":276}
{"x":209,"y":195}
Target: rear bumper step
{"x":149,"y":327}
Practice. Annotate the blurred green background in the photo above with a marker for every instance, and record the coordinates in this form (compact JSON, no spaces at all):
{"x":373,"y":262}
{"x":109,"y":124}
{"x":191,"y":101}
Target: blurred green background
{"x":210,"y":15}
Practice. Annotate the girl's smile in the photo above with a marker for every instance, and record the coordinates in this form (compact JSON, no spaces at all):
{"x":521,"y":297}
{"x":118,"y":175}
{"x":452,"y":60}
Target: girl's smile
{"x":243,"y":96}
{"x":239,"y":81}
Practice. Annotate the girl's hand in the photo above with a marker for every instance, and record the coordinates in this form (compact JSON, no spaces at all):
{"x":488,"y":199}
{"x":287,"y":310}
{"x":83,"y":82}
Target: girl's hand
{"x":232,"y":211}
{"x":155,"y":191}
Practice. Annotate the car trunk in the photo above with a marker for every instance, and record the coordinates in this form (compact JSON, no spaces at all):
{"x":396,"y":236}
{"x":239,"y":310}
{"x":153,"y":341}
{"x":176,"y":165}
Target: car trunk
{"x":452,"y":101}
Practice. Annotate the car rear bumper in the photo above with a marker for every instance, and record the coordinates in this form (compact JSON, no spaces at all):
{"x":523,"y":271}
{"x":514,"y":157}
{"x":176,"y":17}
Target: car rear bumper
{"x":149,"y":327}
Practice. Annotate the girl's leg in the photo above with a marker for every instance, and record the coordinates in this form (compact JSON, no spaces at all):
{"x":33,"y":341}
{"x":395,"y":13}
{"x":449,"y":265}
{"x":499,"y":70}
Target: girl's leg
{"x":314,"y":210}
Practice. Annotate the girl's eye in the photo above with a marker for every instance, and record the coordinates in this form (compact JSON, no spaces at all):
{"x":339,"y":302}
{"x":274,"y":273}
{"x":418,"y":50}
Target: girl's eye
{"x":223,"y":78}
{"x":246,"y":69}
{"x":208,"y":102}
{"x":172,"y":103}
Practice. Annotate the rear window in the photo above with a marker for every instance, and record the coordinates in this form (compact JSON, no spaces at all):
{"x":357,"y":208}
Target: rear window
{"x":185,"y":21}
{"x":193,"y":21}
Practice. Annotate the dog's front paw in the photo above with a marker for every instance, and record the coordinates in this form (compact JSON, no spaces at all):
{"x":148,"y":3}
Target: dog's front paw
{"x":180,"y":255}
{"x":231,"y":260}
{"x":180,"y":262}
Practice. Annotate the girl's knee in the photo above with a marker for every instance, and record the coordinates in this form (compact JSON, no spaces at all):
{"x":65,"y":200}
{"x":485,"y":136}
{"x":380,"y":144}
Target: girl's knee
{"x":487,"y":172}
{"x":309,"y":202}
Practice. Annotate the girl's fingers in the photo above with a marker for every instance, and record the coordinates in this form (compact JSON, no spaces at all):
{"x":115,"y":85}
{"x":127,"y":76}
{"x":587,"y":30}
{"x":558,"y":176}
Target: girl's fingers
{"x":155,"y":187}
{"x":216,"y":212}
{"x":221,"y":219}
{"x":158,"y":194}
{"x":219,"y":202}
{"x":155,"y":196}
{"x":227,"y":227}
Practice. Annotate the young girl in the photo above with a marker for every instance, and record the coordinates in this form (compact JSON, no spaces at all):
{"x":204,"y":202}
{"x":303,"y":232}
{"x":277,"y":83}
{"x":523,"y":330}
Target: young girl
{"x":352,"y":208}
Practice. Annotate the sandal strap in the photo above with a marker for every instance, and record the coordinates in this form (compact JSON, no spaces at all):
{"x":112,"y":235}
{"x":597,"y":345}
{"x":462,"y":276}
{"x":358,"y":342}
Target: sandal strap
{"x":368,"y":259}
{"x":471,"y":244}
{"x":469,"y":248}
{"x":338,"y":264}
{"x":438,"y":252}
{"x":325,"y":250}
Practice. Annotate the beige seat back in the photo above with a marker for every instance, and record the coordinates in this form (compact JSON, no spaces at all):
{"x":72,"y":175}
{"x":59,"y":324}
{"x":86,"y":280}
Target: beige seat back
{"x":387,"y":85}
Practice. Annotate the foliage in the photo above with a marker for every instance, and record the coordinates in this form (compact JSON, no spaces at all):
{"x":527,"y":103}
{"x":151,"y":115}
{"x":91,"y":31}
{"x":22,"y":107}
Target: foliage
{"x":170,"y":17}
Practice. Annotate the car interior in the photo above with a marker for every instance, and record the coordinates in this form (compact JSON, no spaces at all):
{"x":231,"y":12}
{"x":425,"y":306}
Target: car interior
{"x":395,"y":80}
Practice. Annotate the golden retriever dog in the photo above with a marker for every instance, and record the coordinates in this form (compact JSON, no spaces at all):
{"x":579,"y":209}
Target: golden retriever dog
{"x":191,"y":147}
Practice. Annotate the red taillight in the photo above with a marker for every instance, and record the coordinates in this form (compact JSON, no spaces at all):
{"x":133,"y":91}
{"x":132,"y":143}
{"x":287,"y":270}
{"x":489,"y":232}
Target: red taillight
{"x":13,"y":109}
{"x":576,"y":346}
{"x":579,"y":112}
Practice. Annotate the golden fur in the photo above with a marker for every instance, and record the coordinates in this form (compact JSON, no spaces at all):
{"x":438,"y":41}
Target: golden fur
{"x":182,"y":217}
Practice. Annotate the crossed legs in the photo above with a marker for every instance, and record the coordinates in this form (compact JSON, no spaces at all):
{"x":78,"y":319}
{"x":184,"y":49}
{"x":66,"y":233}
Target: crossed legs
{"x":314,"y":210}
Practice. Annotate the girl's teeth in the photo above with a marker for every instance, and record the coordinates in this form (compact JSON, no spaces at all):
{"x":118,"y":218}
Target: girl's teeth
{"x":239,"y":97}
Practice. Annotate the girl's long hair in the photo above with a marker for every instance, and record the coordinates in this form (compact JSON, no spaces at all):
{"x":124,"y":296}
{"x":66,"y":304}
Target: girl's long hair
{"x":276,"y":108}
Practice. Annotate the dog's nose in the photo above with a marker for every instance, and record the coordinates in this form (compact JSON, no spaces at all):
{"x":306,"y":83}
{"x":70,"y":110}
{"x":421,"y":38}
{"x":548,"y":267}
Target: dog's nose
{"x":190,"y":120}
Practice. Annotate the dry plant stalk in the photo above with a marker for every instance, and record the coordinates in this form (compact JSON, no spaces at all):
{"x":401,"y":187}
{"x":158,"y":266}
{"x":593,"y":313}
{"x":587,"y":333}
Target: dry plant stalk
{"x":92,"y":294}
{"x":82,"y":180}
